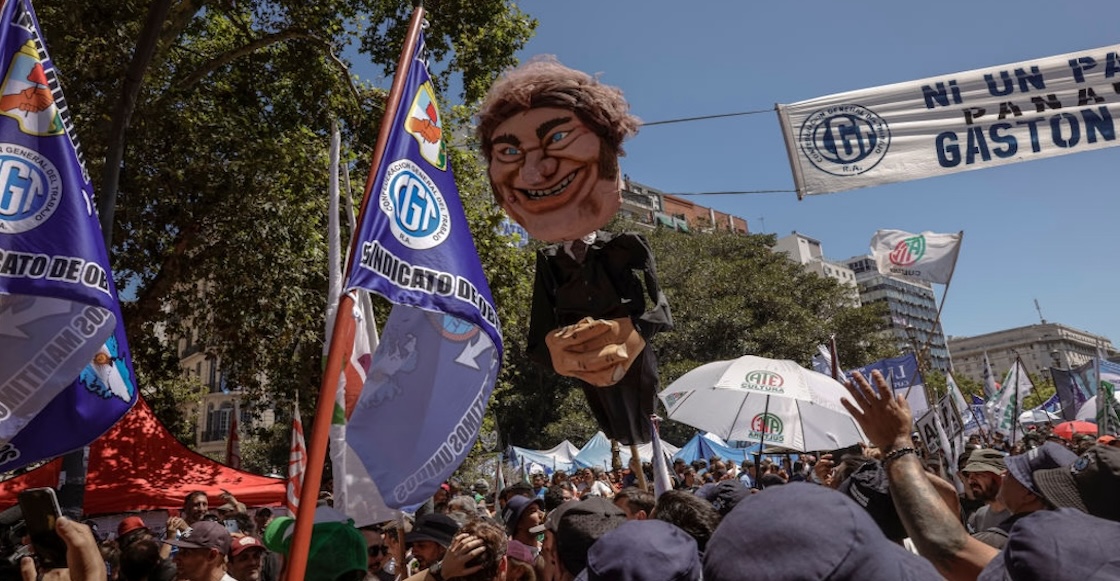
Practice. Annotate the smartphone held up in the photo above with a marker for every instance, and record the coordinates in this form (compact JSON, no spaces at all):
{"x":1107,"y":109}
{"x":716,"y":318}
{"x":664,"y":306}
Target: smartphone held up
{"x":40,"y":514}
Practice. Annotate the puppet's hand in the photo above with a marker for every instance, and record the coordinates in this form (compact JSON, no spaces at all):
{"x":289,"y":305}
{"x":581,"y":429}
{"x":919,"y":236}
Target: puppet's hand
{"x":597,"y":351}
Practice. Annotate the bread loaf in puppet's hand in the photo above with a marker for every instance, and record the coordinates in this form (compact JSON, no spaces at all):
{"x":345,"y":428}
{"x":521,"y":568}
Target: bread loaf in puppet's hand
{"x":596,"y":351}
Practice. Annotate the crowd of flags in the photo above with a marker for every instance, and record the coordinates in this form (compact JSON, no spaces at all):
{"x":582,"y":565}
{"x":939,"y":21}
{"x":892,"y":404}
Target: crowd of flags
{"x":423,"y":382}
{"x":1085,"y":392}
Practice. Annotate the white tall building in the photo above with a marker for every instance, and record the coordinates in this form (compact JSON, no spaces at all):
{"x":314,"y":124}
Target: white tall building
{"x":809,"y":253}
{"x":912,"y":309}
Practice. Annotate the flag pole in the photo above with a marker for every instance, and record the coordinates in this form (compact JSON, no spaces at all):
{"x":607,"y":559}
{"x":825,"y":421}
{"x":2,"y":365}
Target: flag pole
{"x":343,"y":329}
{"x":1019,"y":369}
{"x":937,"y":318}
{"x":835,"y":357}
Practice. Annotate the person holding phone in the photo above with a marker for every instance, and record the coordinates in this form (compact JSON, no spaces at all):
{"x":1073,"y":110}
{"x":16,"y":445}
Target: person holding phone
{"x":82,"y":559}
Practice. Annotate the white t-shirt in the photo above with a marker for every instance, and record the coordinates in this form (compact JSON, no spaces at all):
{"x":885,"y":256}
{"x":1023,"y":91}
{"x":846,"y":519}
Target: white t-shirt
{"x":600,"y":488}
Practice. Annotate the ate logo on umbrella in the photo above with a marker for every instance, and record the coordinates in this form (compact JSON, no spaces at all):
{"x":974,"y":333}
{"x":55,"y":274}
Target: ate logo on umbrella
{"x":764,"y":380}
{"x":772,"y":425}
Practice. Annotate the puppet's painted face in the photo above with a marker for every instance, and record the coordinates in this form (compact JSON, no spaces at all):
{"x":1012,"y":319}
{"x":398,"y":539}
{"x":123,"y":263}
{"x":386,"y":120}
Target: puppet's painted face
{"x":544,"y":168}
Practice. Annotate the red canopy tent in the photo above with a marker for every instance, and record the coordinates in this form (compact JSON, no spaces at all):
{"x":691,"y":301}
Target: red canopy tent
{"x":139,"y":465}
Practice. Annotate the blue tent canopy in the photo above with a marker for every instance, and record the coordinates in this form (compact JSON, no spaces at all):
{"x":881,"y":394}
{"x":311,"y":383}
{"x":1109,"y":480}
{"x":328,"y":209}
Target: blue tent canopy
{"x":560,"y":457}
{"x":597,"y":452}
{"x":701,"y":448}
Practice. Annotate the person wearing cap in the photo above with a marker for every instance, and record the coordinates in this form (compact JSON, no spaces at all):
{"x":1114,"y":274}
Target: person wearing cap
{"x":1090,"y":484}
{"x":477,"y":553}
{"x":520,"y":553}
{"x":520,"y":515}
{"x":337,"y":551}
{"x":1019,"y":493}
{"x":647,"y":550}
{"x":130,"y":530}
{"x":230,"y":506}
{"x":430,"y":537}
{"x":202,"y":552}
{"x":246,"y":558}
{"x":1052,"y":545}
{"x":984,"y":473}
{"x":834,"y":539}
{"x":569,"y":533}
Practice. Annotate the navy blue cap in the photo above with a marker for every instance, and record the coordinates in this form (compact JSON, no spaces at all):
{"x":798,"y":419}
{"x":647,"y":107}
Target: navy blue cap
{"x":579,"y":525}
{"x":806,"y":531}
{"x":1058,"y":544}
{"x":435,"y":527}
{"x":1089,"y":484}
{"x":515,"y":507}
{"x":643,"y":550}
{"x":724,"y":495}
{"x":1047,"y":456}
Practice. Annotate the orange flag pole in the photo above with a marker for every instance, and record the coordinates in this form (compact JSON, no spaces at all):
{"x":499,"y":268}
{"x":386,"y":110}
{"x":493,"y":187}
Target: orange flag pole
{"x":342,"y":337}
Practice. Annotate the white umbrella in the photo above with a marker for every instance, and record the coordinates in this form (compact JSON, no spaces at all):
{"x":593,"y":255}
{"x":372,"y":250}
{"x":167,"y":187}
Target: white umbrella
{"x":755,"y":399}
{"x":1038,"y":416}
{"x":1088,"y":410}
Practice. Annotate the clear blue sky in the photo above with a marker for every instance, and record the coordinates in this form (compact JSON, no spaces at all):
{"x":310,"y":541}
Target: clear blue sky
{"x":1042,"y":230}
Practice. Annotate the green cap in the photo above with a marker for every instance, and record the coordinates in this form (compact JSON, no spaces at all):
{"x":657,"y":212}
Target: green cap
{"x":336,"y":547}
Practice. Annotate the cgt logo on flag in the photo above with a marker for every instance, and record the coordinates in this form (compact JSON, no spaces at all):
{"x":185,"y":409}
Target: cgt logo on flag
{"x":908,"y":251}
{"x":845,"y":140}
{"x":764,"y":380}
{"x":417,"y":211}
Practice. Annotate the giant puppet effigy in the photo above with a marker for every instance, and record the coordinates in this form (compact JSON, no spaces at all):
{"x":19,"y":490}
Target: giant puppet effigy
{"x":552,"y":137}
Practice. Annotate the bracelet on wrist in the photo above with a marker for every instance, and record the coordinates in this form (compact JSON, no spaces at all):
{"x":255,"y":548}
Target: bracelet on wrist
{"x":898,"y":453}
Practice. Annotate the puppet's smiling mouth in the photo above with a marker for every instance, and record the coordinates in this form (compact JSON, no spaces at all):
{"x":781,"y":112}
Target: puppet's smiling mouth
{"x":553,"y":191}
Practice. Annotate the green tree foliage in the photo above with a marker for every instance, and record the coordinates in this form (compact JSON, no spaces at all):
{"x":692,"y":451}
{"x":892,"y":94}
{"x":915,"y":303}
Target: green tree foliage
{"x":221,"y":212}
{"x":730,"y":296}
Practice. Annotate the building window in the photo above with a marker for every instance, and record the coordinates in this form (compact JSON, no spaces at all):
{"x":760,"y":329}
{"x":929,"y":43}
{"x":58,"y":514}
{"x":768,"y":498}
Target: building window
{"x":217,"y":422}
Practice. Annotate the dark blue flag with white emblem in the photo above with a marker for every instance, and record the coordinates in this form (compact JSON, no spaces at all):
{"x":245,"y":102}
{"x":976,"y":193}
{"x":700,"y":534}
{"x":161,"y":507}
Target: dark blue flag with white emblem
{"x":65,"y":371}
{"x":432,"y":373}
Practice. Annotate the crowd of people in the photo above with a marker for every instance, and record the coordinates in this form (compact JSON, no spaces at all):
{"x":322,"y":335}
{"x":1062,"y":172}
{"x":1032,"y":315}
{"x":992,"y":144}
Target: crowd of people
{"x":1042,"y":508}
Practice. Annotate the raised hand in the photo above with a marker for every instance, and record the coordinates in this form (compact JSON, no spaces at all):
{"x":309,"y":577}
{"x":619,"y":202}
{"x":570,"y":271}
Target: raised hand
{"x":884,"y":417}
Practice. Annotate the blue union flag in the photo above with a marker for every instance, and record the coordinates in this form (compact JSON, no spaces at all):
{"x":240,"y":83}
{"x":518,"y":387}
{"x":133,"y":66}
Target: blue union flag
{"x":65,"y":371}
{"x":432,"y":373}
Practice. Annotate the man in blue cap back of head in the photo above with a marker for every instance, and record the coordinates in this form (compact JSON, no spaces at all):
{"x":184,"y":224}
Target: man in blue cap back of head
{"x":643,"y":550}
{"x":1019,"y":493}
{"x":806,"y":531}
{"x":1056,"y":545}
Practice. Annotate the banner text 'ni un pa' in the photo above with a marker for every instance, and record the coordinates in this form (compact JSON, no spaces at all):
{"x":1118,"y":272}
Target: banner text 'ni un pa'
{"x":953,"y":123}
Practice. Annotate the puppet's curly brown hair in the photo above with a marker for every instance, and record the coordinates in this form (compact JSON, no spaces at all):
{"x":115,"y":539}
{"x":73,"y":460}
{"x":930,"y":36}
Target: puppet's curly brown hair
{"x":544,"y":82}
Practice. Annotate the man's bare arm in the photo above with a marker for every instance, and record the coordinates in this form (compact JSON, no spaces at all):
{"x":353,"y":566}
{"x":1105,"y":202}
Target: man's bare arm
{"x":935,"y":529}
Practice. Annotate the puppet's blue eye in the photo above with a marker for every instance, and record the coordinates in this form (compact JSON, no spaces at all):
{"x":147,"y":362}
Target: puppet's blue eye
{"x":558,"y":136}
{"x":509,"y":150}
